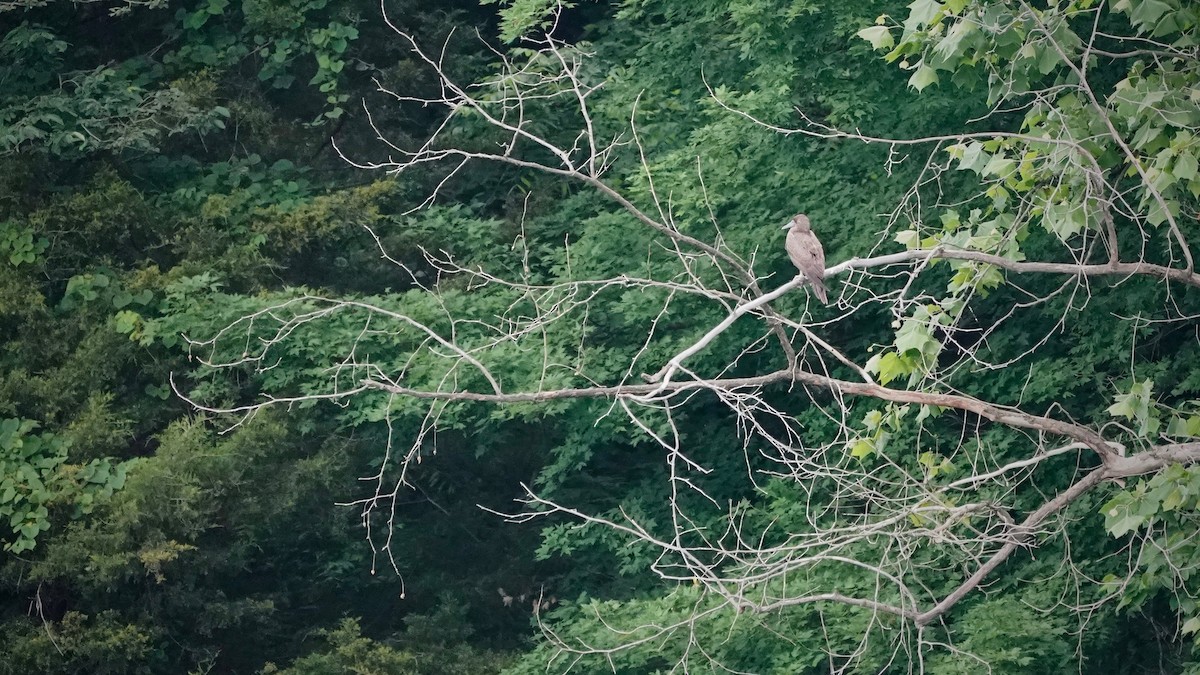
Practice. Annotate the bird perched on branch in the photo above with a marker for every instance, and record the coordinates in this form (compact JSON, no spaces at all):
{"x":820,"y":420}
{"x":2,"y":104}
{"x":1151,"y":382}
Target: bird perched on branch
{"x":806,"y":253}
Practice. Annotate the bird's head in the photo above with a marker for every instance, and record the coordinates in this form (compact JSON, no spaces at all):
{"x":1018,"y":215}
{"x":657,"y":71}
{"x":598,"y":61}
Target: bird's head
{"x":800,"y":222}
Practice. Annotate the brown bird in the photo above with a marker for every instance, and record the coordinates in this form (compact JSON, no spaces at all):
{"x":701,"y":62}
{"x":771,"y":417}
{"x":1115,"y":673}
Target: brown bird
{"x":806,"y":253}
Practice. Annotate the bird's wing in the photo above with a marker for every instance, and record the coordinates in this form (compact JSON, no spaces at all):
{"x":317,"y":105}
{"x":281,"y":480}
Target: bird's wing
{"x":809,"y":257}
{"x":806,"y":253}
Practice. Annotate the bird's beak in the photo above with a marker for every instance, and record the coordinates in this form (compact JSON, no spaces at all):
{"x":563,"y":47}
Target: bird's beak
{"x":789,"y":224}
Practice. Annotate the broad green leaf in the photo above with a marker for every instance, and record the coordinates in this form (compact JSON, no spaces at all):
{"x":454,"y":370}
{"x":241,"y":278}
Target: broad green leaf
{"x":1000,"y":166}
{"x":923,"y":77}
{"x":1064,"y":220}
{"x":1190,"y":626}
{"x":1118,"y":518}
{"x":890,"y":366}
{"x":1185,"y":166}
{"x":908,"y":239}
{"x":915,"y":336}
{"x":1184,"y":426}
{"x":1137,"y":406}
{"x":923,"y":12}
{"x":861,"y":449}
{"x":974,"y":157}
{"x":880,"y":37}
{"x":1146,"y":13}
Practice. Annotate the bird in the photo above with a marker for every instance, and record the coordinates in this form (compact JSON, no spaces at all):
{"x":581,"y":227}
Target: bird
{"x":806,"y":253}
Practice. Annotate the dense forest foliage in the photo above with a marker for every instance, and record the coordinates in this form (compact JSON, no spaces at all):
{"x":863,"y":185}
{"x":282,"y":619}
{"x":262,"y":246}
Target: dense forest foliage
{"x":456,"y":337}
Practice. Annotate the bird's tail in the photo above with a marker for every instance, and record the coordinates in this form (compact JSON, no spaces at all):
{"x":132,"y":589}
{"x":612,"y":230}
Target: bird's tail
{"x":818,"y":287}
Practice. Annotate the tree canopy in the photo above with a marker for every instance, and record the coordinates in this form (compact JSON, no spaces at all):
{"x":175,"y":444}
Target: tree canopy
{"x":432,"y":337}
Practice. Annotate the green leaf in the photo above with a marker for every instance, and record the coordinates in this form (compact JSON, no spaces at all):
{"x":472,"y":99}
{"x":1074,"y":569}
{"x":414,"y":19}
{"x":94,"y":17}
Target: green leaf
{"x":923,"y":77}
{"x":862,"y":449}
{"x":909,"y":239}
{"x":1048,"y":60}
{"x":1118,"y":516}
{"x":928,"y":412}
{"x":1126,"y":406}
{"x":1185,"y":166}
{"x":196,"y":20}
{"x":1000,"y":166}
{"x":1188,"y":427}
{"x":915,"y":336}
{"x":1137,"y":406}
{"x":1064,"y":220}
{"x":1146,"y":13}
{"x":1157,"y":213}
{"x":127,"y":321}
{"x":923,"y":12}
{"x":974,"y":157}
{"x":1173,"y":500}
{"x":889,"y":366}
{"x":880,"y":37}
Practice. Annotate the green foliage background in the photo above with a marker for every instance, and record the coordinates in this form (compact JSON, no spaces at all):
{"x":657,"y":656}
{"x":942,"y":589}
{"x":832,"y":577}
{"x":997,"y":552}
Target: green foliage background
{"x":165,"y":169}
